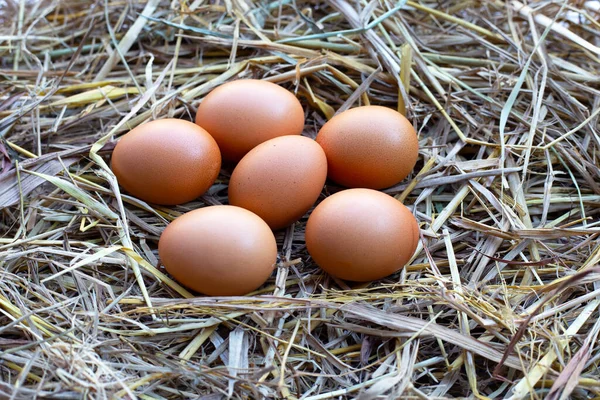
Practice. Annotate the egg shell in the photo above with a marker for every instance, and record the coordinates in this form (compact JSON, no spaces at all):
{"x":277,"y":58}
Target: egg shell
{"x":280,"y":179}
{"x":369,"y":147}
{"x":167,"y":161}
{"x":361,"y":235}
{"x":219,"y":250}
{"x":245,"y":113}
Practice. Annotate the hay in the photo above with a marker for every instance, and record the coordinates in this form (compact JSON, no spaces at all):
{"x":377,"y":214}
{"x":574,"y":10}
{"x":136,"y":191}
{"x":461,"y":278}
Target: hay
{"x":501,"y":299}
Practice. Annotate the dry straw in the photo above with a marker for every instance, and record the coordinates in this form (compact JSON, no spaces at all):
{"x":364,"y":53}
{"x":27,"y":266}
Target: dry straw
{"x":501,"y":299}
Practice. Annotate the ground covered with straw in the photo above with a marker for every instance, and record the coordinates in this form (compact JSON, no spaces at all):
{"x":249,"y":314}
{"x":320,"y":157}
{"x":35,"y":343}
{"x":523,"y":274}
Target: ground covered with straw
{"x":500,"y":300}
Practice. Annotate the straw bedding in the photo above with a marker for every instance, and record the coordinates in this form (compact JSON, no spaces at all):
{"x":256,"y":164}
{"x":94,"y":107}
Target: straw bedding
{"x":500,"y":300}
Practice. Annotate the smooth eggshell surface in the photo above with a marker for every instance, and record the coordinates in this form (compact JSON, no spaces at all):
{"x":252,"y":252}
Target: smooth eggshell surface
{"x":219,"y":250}
{"x":369,"y":147}
{"x":244,"y":113}
{"x":167,"y":161}
{"x":280,"y":179}
{"x":361,"y":235}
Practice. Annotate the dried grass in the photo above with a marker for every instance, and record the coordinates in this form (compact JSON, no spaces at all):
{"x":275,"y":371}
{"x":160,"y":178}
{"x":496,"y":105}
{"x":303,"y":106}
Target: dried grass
{"x":500,"y":300}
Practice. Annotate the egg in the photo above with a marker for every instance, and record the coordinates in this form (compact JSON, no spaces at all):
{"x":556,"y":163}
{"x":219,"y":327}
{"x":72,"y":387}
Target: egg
{"x":219,"y":250}
{"x":280,"y":179}
{"x":167,"y":161}
{"x":242,"y":114}
{"x":369,"y":147}
{"x":361,"y":235}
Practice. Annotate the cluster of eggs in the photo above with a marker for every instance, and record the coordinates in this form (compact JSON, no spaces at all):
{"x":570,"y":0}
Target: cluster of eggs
{"x":359,"y":234}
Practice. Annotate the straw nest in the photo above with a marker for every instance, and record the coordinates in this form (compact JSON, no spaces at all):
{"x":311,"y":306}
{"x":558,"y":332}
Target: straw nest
{"x":501,"y":299}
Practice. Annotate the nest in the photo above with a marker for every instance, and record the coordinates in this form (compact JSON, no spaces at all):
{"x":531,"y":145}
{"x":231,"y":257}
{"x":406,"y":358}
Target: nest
{"x":500,"y":300}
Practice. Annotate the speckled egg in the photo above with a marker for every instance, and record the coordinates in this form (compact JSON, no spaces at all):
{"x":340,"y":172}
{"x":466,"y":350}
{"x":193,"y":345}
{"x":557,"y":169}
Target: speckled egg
{"x":280,"y":179}
{"x":242,"y":114}
{"x":219,"y":250}
{"x":361,"y":235}
{"x":167,"y":161}
{"x":369,"y":147}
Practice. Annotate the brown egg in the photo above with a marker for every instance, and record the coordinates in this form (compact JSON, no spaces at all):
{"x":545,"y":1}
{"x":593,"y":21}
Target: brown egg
{"x":242,"y":114}
{"x":219,"y":250}
{"x":369,"y":147}
{"x":167,"y":161}
{"x":361,"y":235}
{"x":280,"y":179}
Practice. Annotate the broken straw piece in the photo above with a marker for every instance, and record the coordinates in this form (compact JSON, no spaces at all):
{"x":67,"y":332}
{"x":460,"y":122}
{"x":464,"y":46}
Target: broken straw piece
{"x":526,"y":11}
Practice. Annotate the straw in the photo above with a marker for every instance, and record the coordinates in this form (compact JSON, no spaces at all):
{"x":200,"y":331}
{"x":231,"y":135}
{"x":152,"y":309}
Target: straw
{"x":500,"y":299}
